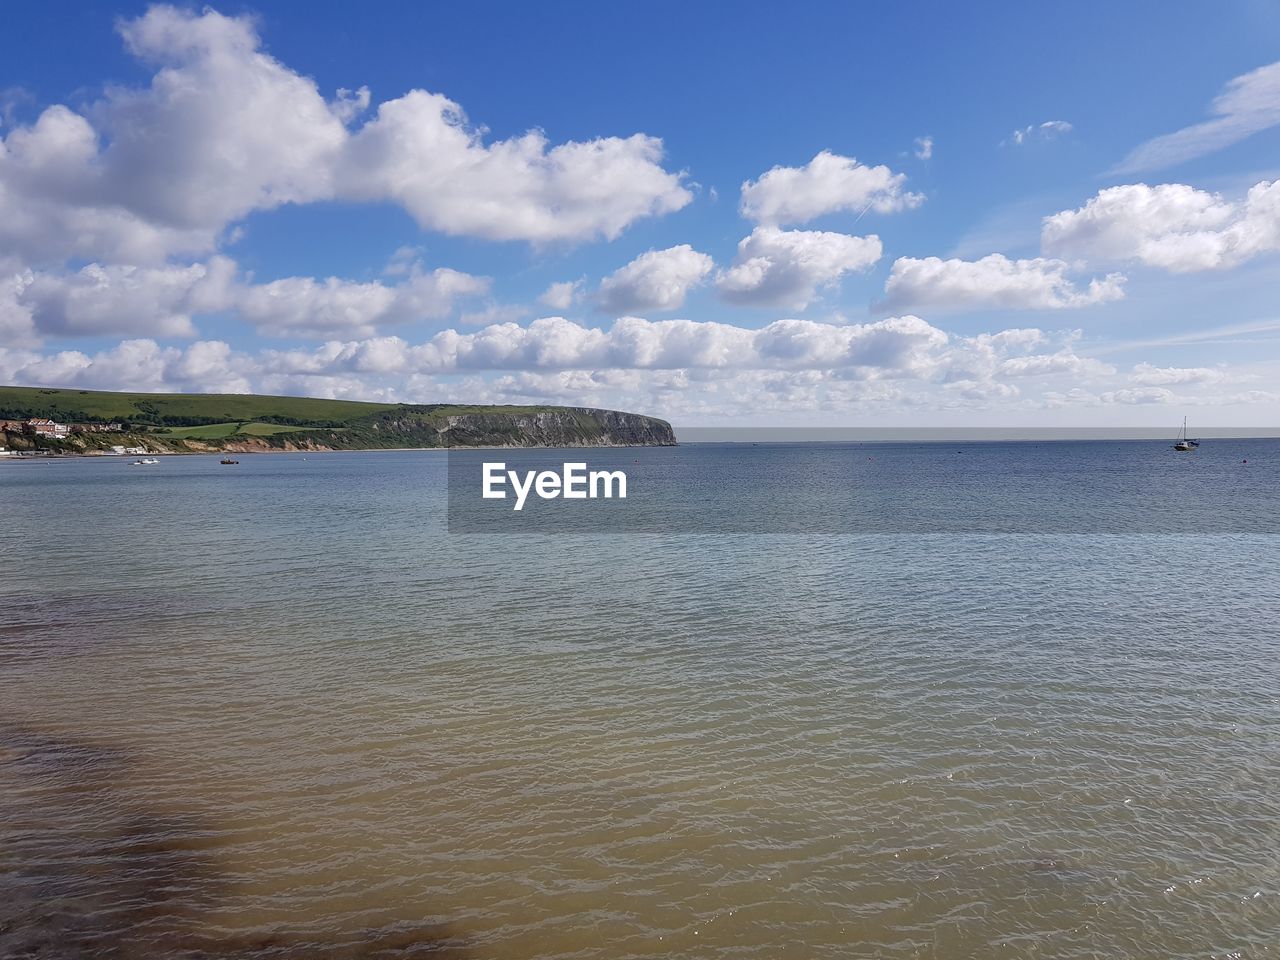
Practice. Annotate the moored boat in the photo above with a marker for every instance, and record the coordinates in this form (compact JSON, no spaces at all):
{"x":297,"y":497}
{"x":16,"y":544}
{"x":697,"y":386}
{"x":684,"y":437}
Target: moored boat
{"x":1185,"y":444}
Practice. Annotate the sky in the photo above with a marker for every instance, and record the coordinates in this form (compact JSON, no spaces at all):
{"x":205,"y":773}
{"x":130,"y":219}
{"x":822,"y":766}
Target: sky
{"x":820,"y":214}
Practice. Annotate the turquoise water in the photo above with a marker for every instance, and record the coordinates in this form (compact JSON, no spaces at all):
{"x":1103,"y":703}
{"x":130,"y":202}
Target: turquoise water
{"x":276,"y":710}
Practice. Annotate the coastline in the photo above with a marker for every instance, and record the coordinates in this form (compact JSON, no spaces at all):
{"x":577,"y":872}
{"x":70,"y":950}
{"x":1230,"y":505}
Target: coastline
{"x":274,"y":451}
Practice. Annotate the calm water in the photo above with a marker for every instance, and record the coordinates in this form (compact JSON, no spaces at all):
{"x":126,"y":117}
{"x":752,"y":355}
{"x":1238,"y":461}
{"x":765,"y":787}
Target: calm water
{"x":275,"y":710}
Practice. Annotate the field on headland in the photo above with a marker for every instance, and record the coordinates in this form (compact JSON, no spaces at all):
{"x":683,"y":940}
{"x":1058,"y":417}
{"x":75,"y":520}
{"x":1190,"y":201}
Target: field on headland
{"x":222,"y":431}
{"x":181,"y":423}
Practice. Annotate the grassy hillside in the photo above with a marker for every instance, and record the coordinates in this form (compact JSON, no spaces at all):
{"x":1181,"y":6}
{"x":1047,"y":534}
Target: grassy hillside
{"x":188,"y":422}
{"x":178,"y":409}
{"x":220,"y":431}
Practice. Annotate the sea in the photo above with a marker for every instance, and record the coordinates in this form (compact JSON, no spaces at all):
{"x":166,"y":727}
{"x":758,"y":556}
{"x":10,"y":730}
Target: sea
{"x":941,"y":700}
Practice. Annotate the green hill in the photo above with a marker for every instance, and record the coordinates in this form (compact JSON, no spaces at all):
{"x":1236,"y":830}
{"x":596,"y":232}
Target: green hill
{"x":177,"y":409}
{"x":179,"y":422}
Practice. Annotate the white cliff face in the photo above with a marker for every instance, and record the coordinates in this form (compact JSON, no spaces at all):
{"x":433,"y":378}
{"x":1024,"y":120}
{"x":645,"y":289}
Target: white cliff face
{"x":568,"y":426}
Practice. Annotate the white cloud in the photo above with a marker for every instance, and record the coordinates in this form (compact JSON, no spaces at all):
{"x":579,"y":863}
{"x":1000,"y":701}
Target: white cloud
{"x":349,"y":104}
{"x":1054,"y":364}
{"x":127,"y":300}
{"x":1250,"y":103}
{"x":420,"y":152}
{"x":54,"y":204}
{"x":1141,"y":395}
{"x":304,"y":306}
{"x":493,"y":313}
{"x":224,"y":129}
{"x":17,"y":326}
{"x":894,"y":347}
{"x":671,"y":367}
{"x":924,"y":148}
{"x":994,"y":281}
{"x":562,"y":295}
{"x":1173,"y":226}
{"x":657,"y":280}
{"x":1049,"y":130}
{"x":1023,"y":353}
{"x":404,"y":261}
{"x":829,"y":183}
{"x":786,"y":358}
{"x":138,"y":365}
{"x":984,"y":390}
{"x":1150,"y":375}
{"x":1159,"y":396}
{"x":294,"y":306}
{"x":786,"y":268}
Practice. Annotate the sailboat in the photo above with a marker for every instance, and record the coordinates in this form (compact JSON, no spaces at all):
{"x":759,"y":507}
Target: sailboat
{"x":1185,"y":444}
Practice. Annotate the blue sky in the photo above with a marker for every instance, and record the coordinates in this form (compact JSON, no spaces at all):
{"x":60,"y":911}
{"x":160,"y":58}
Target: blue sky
{"x":821,"y":214}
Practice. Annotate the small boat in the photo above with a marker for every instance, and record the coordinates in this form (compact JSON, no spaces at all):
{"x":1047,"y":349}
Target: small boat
{"x":145,"y":462}
{"x":228,"y":462}
{"x":1185,"y":444}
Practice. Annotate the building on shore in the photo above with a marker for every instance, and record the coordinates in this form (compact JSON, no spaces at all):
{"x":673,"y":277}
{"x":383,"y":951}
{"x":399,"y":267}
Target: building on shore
{"x":46,"y":428}
{"x":97,"y":427}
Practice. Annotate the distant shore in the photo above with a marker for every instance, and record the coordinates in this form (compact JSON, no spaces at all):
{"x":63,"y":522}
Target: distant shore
{"x":85,"y":422}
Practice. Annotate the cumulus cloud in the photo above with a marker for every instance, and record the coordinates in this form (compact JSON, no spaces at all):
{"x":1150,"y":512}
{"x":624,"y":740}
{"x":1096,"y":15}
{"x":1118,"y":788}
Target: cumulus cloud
{"x":1049,"y":130}
{"x":304,"y":306}
{"x":657,"y":280}
{"x":894,"y":347}
{"x":668,"y":367}
{"x":126,"y":300}
{"x":349,"y":104}
{"x":924,"y":147}
{"x":1023,"y":353}
{"x":107,"y":300}
{"x":562,"y":295}
{"x":17,"y":326}
{"x":420,"y":151}
{"x":1172,"y":226}
{"x":787,"y":268}
{"x":1062,"y":362}
{"x":222,"y":130}
{"x":225,"y":129}
{"x":141,"y":365}
{"x":1250,"y":103}
{"x":55,"y":204}
{"x":829,"y":183}
{"x":994,"y":281}
{"x":493,"y":313}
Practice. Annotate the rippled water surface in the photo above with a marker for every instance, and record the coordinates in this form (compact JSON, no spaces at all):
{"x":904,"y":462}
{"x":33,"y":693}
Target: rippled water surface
{"x":275,"y":710}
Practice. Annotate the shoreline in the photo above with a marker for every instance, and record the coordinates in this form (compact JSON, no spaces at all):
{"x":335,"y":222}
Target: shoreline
{"x":52,"y":455}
